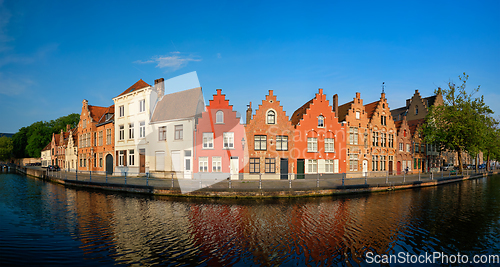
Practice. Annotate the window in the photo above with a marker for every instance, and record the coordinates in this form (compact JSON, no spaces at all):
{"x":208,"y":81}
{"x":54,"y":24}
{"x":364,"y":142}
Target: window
{"x":260,"y":142}
{"x":383,"y":120}
{"x":382,"y":163}
{"x":281,"y":143}
{"x":321,"y":121}
{"x":312,"y":144}
{"x":130,"y":131}
{"x":271,"y":117}
{"x":415,"y":163}
{"x":391,"y":140}
{"x":329,"y":145}
{"x":162,"y":133}
{"x":208,"y":140}
{"x":95,"y":160}
{"x":329,"y":166}
{"x":228,"y":140}
{"x":131,"y":157}
{"x":407,"y":147}
{"x":142,"y":105}
{"x":416,"y":147}
{"x":404,"y":133}
{"x":400,"y":146}
{"x":100,"y":159}
{"x":254,"y":165}
{"x":312,"y":166}
{"x":203,"y":162}
{"x":108,"y":136}
{"x":178,"y":132}
{"x":416,"y":110}
{"x":383,"y":139}
{"x":357,"y":115}
{"x":142,"y":129}
{"x":122,"y":111}
{"x":121,"y":158}
{"x":375,"y":139}
{"x":216,"y":164}
{"x":95,"y":138}
{"x":353,"y":135}
{"x":270,"y":165}
{"x":84,"y":124}
{"x":219,"y":117}
{"x":353,"y":162}
{"x":121,"y":132}
{"x":100,"y":138}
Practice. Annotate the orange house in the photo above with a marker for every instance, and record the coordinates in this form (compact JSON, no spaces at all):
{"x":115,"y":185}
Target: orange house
{"x":320,"y":140}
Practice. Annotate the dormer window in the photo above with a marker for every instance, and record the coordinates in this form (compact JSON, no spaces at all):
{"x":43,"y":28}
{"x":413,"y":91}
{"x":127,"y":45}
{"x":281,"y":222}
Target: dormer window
{"x":321,"y":121}
{"x":271,"y":117}
{"x":416,"y":110}
{"x":219,"y":117}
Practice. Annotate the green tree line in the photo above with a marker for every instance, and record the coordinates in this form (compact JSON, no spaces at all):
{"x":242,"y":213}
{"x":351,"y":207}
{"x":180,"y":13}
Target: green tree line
{"x":463,"y":124}
{"x":29,"y":141}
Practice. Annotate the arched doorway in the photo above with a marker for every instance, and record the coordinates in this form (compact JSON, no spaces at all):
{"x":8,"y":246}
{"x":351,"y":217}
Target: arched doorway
{"x":109,"y":164}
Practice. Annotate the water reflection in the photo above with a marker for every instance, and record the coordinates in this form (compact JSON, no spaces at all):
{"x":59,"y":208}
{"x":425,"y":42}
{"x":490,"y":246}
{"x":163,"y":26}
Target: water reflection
{"x":60,"y":226}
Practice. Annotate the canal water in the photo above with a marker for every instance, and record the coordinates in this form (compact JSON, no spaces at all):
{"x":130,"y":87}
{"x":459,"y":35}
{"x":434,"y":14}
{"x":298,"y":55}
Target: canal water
{"x":44,"y":224}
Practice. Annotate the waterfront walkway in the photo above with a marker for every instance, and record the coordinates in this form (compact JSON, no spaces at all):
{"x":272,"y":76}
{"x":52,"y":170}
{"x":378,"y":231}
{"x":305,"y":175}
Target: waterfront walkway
{"x":312,"y":185}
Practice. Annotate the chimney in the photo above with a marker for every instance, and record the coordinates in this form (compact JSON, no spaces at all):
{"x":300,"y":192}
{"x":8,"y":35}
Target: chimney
{"x":68,"y":127}
{"x":249,"y":112}
{"x":335,"y":104}
{"x":408,"y":102}
{"x":160,"y":87}
{"x":382,"y":96}
{"x":358,"y":95}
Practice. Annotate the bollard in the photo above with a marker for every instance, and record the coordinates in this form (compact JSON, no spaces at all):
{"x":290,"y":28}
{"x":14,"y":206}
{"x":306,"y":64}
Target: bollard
{"x":442,"y":174}
{"x":290,"y":180}
{"x":91,"y":176}
{"x":419,"y":175}
{"x":77,"y":174}
{"x":260,"y":180}
{"x":343,"y":177}
{"x":106,"y":176}
{"x":229,"y":183}
{"x":387,"y":178}
{"x":172,"y":180}
{"x":404,"y":177}
{"x":125,"y":177}
{"x":317,"y":181}
{"x":147,"y":178}
{"x":200,"y":185}
{"x":366,"y":179}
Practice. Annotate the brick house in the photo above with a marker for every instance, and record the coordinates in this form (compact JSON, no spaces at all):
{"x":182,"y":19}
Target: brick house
{"x":95,"y":138}
{"x":269,"y":135}
{"x":382,"y":134}
{"x":320,"y":140}
{"x":219,"y":135}
{"x":404,"y":155}
{"x":58,"y":147}
{"x":418,"y":146}
{"x":357,"y":143}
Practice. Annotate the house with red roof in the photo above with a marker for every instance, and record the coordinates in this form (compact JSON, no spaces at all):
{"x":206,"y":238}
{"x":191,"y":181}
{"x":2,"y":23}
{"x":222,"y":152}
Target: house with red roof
{"x":382,"y":132}
{"x":219,"y":151}
{"x":404,"y":150}
{"x":320,"y":139}
{"x":95,"y":138}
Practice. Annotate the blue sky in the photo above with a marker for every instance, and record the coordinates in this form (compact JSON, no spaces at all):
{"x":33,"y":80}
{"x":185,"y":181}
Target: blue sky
{"x":54,"y":54}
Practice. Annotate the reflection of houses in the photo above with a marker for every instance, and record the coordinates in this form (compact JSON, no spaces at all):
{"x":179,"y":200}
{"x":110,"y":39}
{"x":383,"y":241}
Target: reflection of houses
{"x":269,"y":135}
{"x":219,"y":136}
{"x":403,"y":146}
{"x":95,"y":138}
{"x":353,"y":114}
{"x":320,"y":144}
{"x":173,"y":123}
{"x":133,"y":109}
{"x":383,"y":135}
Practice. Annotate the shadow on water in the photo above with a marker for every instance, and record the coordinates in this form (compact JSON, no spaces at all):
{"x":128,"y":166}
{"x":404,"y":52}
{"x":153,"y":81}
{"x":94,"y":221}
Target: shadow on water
{"x":62,"y":226}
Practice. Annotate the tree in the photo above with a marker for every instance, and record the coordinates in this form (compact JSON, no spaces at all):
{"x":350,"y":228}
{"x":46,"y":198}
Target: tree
{"x":461,"y":124}
{"x":5,"y":148}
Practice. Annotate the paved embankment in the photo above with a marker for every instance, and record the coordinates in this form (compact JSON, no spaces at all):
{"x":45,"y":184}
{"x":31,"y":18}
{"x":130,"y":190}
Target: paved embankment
{"x":245,"y":188}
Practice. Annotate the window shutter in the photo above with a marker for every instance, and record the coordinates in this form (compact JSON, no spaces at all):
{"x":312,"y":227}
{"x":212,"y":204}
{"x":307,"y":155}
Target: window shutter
{"x":117,"y":162}
{"x":125,"y":158}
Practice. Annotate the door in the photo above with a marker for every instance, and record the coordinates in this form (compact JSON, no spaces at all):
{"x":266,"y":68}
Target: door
{"x":109,"y":164}
{"x":176,"y":161}
{"x":160,"y":161}
{"x":142,"y":160}
{"x":365,"y":167}
{"x":399,"y":167}
{"x":234,"y":168}
{"x":187,"y":164}
{"x":390,"y":167}
{"x":284,"y":169}
{"x":300,"y":169}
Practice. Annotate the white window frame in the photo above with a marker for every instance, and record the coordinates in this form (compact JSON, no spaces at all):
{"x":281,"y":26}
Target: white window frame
{"x":142,"y":129}
{"x":121,"y":132}
{"x":330,"y":145}
{"x":216,"y":164}
{"x":131,"y":158}
{"x":321,"y":121}
{"x":142,"y":105}
{"x":131,"y":131}
{"x":229,"y":137}
{"x":219,"y":117}
{"x":268,"y":113}
{"x":121,"y":110}
{"x":121,"y":157}
{"x":282,"y":143}
{"x":312,"y":144}
{"x":208,"y":141}
{"x":261,"y":140}
{"x":203,"y":164}
{"x":358,"y":114}
{"x":312,"y":165}
{"x":329,"y":166}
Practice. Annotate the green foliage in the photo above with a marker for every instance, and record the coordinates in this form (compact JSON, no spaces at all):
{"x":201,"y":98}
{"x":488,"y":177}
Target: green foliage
{"x":462,"y":123}
{"x":29,"y":141}
{"x":5,"y":148}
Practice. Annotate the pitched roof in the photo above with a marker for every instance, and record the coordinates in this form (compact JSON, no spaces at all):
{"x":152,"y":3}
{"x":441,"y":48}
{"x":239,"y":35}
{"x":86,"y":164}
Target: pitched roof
{"x":109,"y":110}
{"x":179,"y":105}
{"x":299,"y":113}
{"x":414,"y":124}
{"x":343,"y":110}
{"x":47,"y":147}
{"x":398,"y":111}
{"x":398,"y":124}
{"x":56,"y":139}
{"x":370,"y":109}
{"x":429,"y":101}
{"x":138,"y":85}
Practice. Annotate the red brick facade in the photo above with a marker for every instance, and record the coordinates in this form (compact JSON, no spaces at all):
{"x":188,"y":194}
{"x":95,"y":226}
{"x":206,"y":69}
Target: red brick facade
{"x":269,"y":135}
{"x":403,"y":147}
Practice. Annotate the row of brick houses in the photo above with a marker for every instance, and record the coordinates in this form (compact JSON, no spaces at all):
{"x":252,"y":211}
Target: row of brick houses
{"x":149,"y":131}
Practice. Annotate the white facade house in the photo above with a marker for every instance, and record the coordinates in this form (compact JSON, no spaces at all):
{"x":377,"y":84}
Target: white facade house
{"x":171,"y":142}
{"x":133,"y":110}
{"x":71,"y":156}
{"x":46,"y":156}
